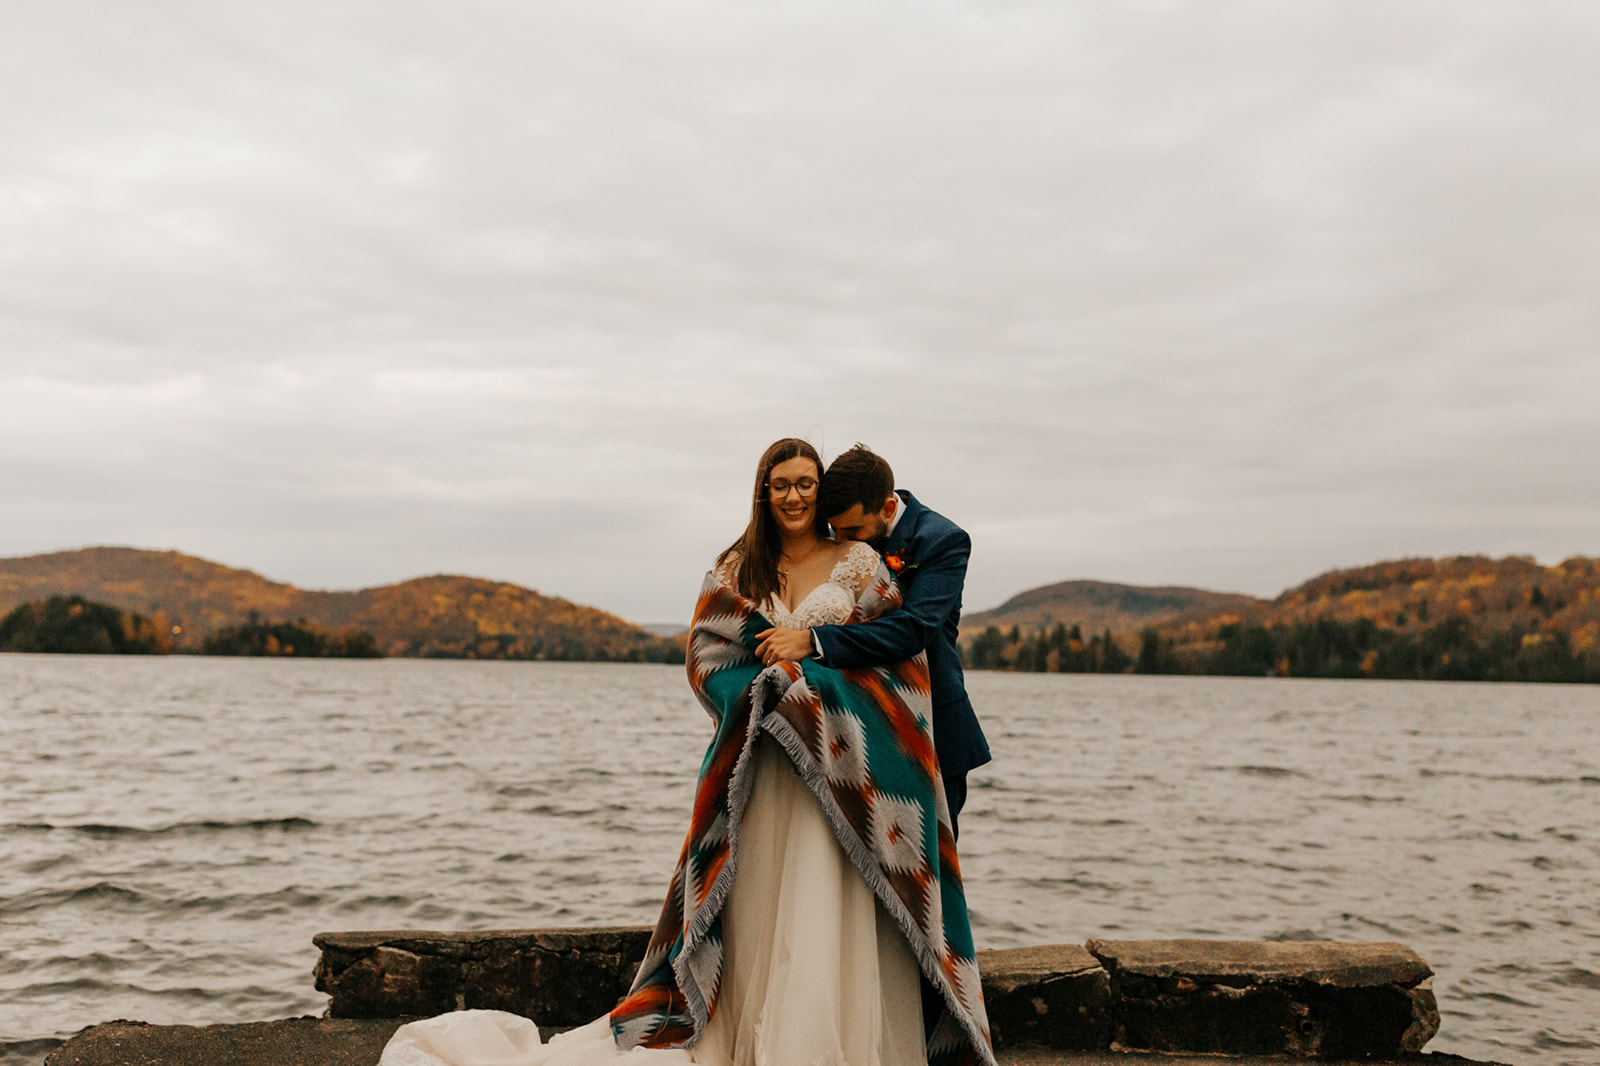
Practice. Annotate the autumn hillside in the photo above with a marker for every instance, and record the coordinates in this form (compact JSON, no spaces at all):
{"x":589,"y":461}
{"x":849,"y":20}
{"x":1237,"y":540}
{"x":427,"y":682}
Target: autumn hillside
{"x":427,"y":616}
{"x":1467,"y":618}
{"x":1411,"y":595}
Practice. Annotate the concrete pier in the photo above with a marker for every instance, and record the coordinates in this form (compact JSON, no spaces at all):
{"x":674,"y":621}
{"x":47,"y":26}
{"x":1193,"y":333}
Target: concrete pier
{"x":1306,"y":999}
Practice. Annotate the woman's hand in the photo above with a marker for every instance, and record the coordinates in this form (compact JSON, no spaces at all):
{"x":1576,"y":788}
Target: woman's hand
{"x":783,"y":645}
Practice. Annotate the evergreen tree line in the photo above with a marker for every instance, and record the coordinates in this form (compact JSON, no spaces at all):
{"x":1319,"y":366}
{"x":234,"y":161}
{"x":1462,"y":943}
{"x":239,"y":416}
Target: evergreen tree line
{"x":1453,"y":650}
{"x":571,"y":646}
{"x":74,"y":625}
{"x":299,"y":639}
{"x":1056,"y":651}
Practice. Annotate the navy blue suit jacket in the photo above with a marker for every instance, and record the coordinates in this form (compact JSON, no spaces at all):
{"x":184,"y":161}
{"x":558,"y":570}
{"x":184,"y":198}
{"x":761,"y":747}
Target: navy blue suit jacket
{"x":935,"y":550}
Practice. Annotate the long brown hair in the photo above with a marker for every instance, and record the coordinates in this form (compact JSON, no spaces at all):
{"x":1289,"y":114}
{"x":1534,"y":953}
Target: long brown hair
{"x":760,"y":546}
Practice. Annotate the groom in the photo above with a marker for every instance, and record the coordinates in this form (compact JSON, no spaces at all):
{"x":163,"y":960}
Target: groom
{"x":928,"y":555}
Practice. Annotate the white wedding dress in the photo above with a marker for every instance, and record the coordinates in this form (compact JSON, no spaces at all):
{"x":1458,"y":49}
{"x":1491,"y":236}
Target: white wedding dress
{"x":814,"y":972}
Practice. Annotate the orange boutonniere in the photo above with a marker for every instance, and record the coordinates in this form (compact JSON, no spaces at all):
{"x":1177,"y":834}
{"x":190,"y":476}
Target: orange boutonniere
{"x":897,"y":562}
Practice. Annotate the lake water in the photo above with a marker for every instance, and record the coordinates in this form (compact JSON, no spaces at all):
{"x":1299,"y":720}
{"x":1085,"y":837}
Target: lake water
{"x":174,"y":830}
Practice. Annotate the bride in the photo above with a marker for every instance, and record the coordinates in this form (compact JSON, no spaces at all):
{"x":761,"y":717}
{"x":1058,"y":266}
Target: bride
{"x":817,"y":897}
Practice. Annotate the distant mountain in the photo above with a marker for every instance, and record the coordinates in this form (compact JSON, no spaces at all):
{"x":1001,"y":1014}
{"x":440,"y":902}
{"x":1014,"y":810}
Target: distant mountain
{"x":1402,"y":594}
{"x":1100,"y":605}
{"x":441,"y":615}
{"x":1466,"y":618}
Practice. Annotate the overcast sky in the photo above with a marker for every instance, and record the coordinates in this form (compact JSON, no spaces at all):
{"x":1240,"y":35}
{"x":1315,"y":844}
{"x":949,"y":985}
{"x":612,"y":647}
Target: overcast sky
{"x":1211,"y":293}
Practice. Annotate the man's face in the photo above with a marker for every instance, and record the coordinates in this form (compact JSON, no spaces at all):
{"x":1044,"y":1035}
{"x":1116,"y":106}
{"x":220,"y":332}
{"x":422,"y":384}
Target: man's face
{"x":858,"y":523}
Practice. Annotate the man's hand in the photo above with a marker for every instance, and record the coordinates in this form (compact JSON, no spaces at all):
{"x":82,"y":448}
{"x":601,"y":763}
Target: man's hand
{"x":783,"y":645}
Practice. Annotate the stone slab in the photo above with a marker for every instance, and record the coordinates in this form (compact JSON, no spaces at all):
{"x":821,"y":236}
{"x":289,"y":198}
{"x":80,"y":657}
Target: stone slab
{"x":294,"y":1042}
{"x":1322,"y":999}
{"x":1055,"y":996}
{"x":557,"y":977}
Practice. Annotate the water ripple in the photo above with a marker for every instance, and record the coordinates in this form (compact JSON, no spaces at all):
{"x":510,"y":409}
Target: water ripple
{"x":95,"y":829}
{"x":178,"y":874}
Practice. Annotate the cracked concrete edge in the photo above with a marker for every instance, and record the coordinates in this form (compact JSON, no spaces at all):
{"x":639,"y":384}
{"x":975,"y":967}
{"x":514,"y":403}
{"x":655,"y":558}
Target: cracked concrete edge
{"x":1336,"y":964}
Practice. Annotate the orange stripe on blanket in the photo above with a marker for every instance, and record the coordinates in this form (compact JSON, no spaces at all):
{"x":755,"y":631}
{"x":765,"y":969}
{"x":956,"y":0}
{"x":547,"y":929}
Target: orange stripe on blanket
{"x":907,"y":730}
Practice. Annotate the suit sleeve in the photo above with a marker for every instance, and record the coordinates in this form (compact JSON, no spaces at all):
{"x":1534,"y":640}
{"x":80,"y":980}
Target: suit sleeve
{"x":933,"y":597}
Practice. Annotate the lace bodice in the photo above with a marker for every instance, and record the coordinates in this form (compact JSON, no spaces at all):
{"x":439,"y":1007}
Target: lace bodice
{"x":831,"y":602}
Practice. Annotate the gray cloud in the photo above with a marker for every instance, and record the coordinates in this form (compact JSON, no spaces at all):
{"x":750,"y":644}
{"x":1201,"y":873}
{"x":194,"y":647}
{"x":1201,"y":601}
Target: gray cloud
{"x":1159,"y":292}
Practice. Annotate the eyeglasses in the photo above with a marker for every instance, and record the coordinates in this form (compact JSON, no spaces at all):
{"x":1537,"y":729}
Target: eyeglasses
{"x":806,"y":487}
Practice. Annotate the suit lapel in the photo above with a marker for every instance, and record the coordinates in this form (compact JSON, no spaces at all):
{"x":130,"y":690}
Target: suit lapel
{"x":900,"y":539}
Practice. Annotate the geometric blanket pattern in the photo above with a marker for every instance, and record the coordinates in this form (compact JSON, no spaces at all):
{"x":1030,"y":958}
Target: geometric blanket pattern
{"x":862,"y":741}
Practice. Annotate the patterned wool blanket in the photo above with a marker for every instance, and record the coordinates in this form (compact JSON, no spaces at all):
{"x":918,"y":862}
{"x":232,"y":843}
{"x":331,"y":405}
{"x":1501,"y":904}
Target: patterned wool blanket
{"x":862,"y":741}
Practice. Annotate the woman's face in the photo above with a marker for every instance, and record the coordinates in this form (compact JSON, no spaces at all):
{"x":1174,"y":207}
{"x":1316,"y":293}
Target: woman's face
{"x":792,"y":494}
